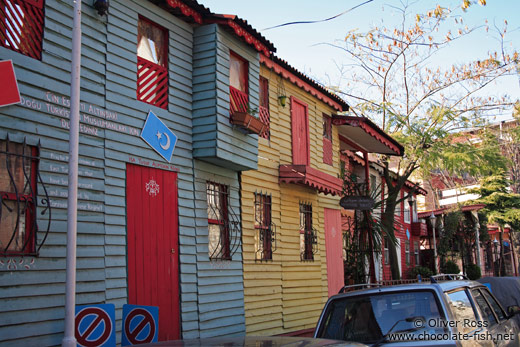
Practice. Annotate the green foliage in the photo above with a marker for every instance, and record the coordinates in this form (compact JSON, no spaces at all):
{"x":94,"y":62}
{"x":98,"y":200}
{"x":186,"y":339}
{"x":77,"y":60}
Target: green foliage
{"x":419,"y":270}
{"x":473,"y":272}
{"x":450,"y":267}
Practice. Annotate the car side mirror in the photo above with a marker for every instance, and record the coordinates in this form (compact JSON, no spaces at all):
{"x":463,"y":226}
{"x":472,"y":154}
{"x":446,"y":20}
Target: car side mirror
{"x":513,"y":310}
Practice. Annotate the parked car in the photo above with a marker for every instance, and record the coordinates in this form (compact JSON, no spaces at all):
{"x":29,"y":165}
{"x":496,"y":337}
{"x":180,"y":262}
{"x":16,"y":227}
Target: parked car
{"x":505,"y":289}
{"x":255,"y":341}
{"x":438,"y":313}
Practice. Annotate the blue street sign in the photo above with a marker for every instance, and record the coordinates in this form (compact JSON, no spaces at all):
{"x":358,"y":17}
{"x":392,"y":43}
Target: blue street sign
{"x":140,"y":325}
{"x":407,"y":234}
{"x":95,"y":325}
{"x":159,"y":136}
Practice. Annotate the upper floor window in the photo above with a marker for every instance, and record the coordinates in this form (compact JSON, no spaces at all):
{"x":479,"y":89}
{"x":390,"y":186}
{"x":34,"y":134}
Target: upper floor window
{"x":152,"y":63}
{"x":327,"y":140}
{"x":18,"y":198}
{"x":407,"y":210}
{"x":218,"y":221}
{"x":308,"y":235}
{"x":266,"y":235}
{"x":238,"y":83}
{"x":21,"y":26}
{"x":264,"y":106}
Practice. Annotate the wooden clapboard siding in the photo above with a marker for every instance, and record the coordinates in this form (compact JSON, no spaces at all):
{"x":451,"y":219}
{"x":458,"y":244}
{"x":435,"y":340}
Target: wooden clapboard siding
{"x":215,"y":140}
{"x":220,"y":290}
{"x":286,"y":294}
{"x":32,"y":298}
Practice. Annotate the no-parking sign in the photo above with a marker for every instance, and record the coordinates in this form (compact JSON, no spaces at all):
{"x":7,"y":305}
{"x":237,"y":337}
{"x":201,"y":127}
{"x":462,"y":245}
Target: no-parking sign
{"x":95,"y":325}
{"x":140,"y":325}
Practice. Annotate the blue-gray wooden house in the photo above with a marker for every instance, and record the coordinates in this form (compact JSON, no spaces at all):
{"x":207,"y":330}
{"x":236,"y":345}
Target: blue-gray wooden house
{"x":155,"y":227}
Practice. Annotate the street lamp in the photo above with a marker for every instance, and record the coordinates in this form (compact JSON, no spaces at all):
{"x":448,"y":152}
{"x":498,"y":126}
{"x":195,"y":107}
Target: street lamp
{"x":432,"y":220}
{"x":496,"y":269}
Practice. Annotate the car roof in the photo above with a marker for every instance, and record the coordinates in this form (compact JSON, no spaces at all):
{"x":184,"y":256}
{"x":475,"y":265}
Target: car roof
{"x":444,"y":286}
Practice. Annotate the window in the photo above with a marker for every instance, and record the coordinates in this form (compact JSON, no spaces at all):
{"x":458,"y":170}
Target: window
{"x":238,"y":83}
{"x":387,"y":253}
{"x":495,"y":305}
{"x":308,"y":237}
{"x":21,"y":26}
{"x":462,"y":309}
{"x":416,"y":252}
{"x":485,"y":309}
{"x":18,"y":173}
{"x":407,"y":252}
{"x":397,"y":211}
{"x":373,"y":185}
{"x":264,"y":106}
{"x":152,"y":63}
{"x":266,"y":229}
{"x":327,"y":140}
{"x":218,"y":221}
{"x":406,"y":211}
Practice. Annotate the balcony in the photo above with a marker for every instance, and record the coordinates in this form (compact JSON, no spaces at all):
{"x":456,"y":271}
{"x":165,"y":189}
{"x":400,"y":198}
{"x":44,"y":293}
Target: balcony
{"x":243,"y":116}
{"x":419,"y":229}
{"x":310,"y":177}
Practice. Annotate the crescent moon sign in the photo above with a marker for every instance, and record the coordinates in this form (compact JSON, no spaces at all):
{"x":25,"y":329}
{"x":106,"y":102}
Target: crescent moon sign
{"x":167,"y":145}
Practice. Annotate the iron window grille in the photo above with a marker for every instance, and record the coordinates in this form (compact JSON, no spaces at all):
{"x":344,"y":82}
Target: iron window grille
{"x":21,"y":26}
{"x":223,"y":224}
{"x":266,"y":230}
{"x":264,"y":107}
{"x":308,"y":235}
{"x":152,"y":63}
{"x":19,"y":179}
{"x":416,"y":252}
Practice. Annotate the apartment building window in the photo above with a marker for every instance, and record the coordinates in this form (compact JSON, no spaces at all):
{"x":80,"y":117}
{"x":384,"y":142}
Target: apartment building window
{"x":407,"y":252}
{"x":264,"y":107}
{"x":416,"y":252}
{"x":308,"y":235}
{"x":218,"y":221}
{"x":21,"y":26}
{"x":327,"y":140}
{"x":152,"y":63}
{"x":265,"y":242}
{"x":238,"y":83}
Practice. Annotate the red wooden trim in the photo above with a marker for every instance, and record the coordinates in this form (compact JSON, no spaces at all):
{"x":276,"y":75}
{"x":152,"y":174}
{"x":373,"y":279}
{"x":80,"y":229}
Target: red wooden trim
{"x":250,"y":39}
{"x":186,"y":10}
{"x":303,"y":333}
{"x":306,"y":175}
{"x":299,"y":82}
{"x":475,"y":207}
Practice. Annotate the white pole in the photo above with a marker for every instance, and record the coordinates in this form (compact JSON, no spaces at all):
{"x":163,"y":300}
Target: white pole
{"x":477,"y":236}
{"x":433,"y":220}
{"x":69,"y":340}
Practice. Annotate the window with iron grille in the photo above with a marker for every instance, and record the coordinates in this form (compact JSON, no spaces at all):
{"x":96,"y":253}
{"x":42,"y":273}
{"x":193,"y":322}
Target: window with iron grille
{"x":152,"y":63}
{"x":407,"y":210}
{"x":224,"y":231}
{"x":21,"y":26}
{"x":308,"y":235}
{"x":407,"y":252}
{"x":327,"y":140}
{"x":238,"y":83}
{"x":386,"y":252}
{"x":265,"y":242}
{"x":19,"y":199}
{"x":264,"y":107}
{"x":416,"y":252}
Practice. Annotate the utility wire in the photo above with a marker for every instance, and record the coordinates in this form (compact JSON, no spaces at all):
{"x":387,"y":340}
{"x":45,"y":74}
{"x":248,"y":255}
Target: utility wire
{"x":319,"y":21}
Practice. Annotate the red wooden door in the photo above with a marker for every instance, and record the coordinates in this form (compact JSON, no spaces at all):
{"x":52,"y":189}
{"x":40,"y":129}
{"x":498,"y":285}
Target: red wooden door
{"x":300,"y":132}
{"x":334,"y":247}
{"x":152,"y":242}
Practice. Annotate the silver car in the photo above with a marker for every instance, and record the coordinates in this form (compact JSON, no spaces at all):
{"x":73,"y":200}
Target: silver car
{"x":436,"y":313}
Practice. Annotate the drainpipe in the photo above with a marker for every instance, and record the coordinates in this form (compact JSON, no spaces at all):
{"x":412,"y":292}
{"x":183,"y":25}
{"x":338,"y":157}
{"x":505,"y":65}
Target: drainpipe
{"x":69,"y":340}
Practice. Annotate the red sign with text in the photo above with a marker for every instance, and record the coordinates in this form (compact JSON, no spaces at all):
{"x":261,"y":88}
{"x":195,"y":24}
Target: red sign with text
{"x":9,"y":93}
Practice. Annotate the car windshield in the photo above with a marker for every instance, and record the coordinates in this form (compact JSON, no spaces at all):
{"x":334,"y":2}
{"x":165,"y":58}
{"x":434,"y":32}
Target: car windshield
{"x":367,"y":319}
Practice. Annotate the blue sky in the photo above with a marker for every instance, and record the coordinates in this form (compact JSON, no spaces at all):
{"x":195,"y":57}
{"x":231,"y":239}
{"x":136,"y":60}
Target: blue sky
{"x":301,"y":45}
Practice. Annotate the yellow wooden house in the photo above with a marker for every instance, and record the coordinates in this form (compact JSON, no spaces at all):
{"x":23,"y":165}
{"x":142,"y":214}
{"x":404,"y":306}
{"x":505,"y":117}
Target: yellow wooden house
{"x":291,"y":217}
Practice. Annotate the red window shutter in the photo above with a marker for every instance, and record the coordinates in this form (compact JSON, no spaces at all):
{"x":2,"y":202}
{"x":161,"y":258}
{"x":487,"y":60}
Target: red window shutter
{"x":300,"y":132}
